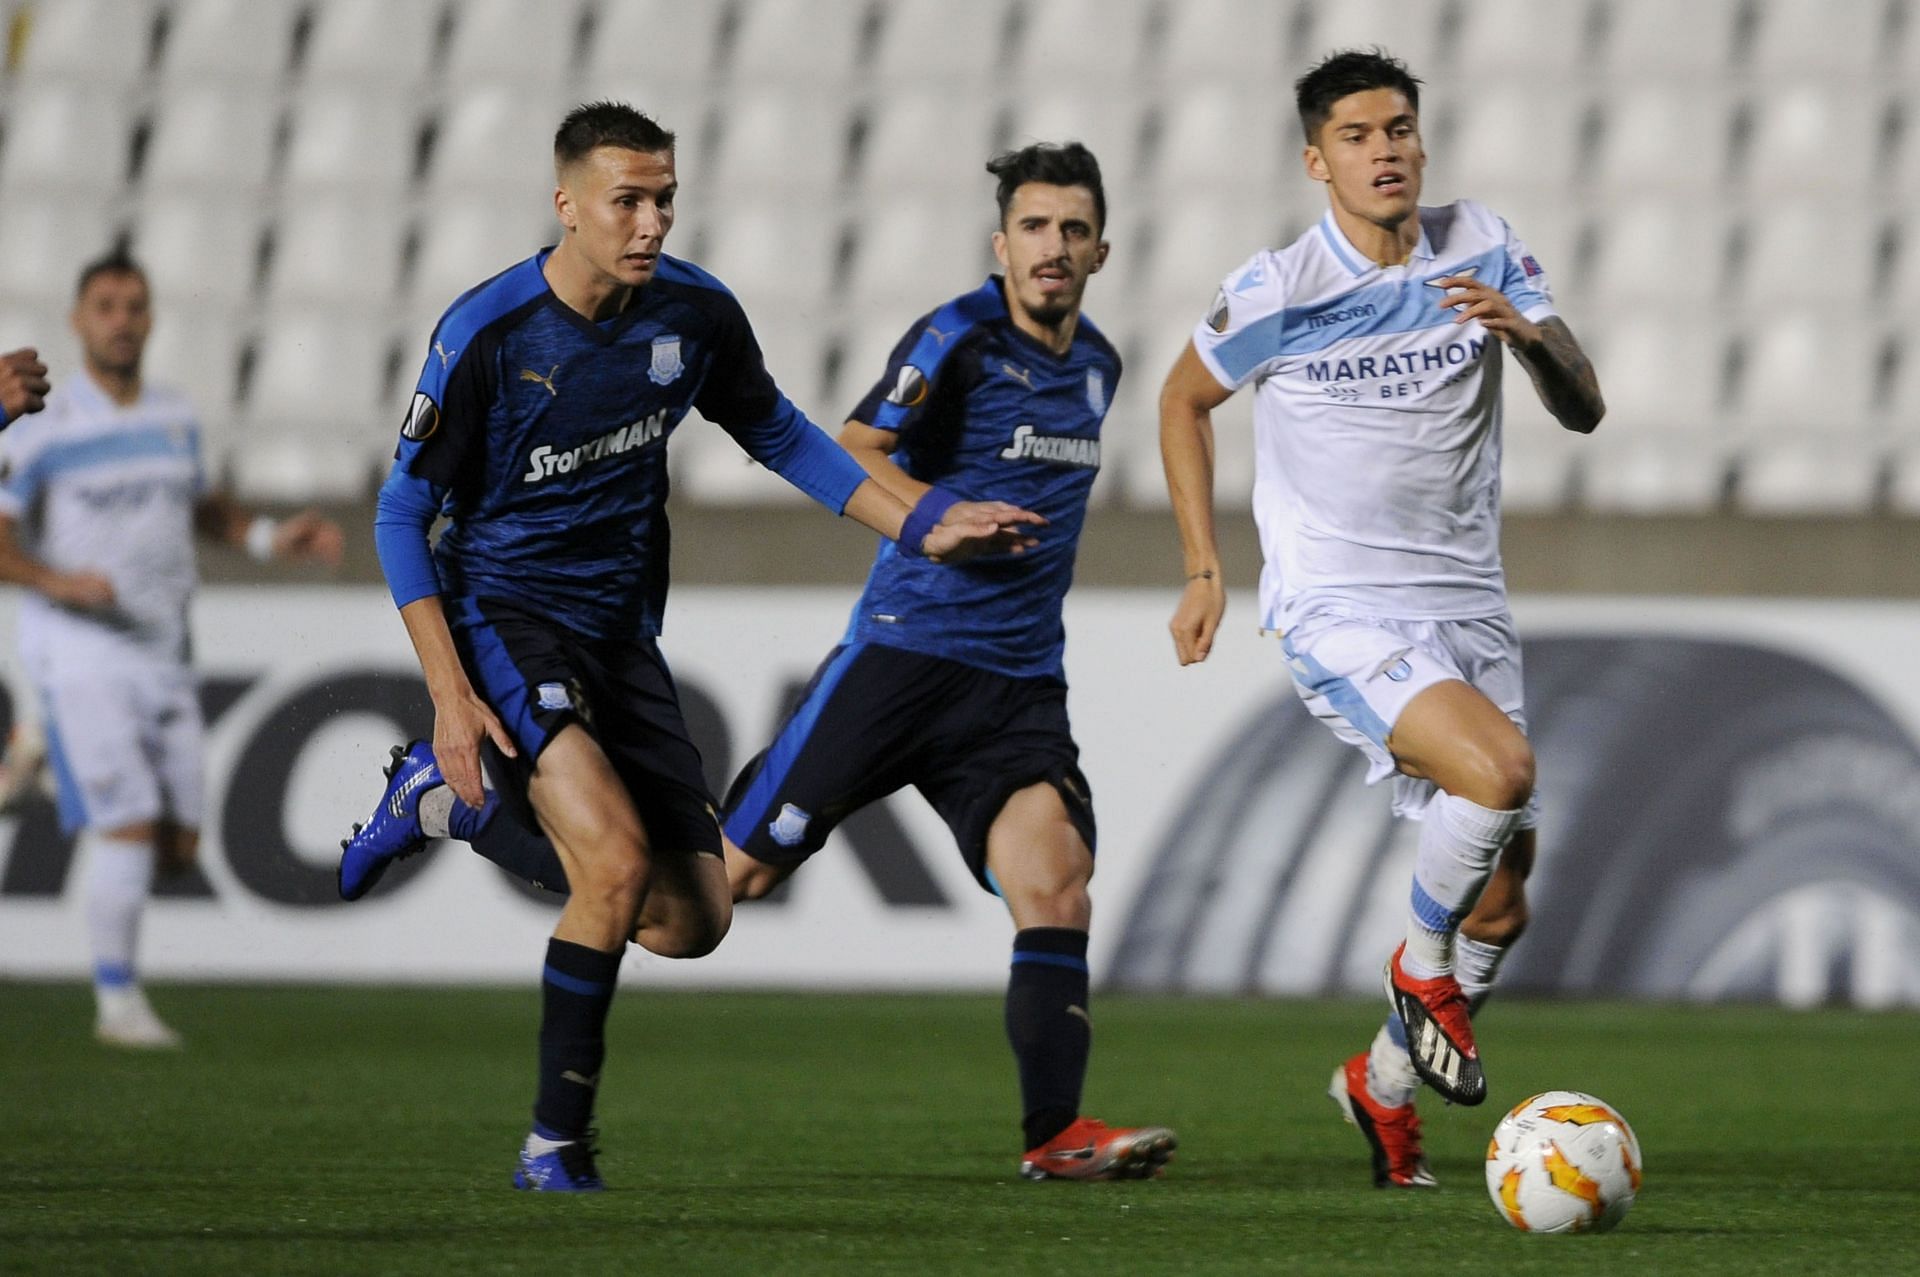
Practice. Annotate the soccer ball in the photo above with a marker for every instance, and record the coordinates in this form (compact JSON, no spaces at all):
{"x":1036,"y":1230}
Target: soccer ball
{"x":1563,"y":1162}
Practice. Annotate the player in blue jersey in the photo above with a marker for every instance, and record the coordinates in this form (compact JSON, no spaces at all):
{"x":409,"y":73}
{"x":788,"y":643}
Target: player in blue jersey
{"x":953,"y":681}
{"x":539,"y":430}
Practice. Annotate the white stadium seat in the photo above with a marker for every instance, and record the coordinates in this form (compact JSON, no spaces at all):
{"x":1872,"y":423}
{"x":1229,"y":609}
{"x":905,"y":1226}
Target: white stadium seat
{"x":103,"y":41}
{"x":1521,"y":37}
{"x":229,"y":40}
{"x":1653,"y":40}
{"x":917,"y":252}
{"x":666,"y":40}
{"x":1540,"y":457}
{"x":1663,"y":446}
{"x":367,"y":138}
{"x":213,"y":136}
{"x":1808,"y":423}
{"x":1657,"y":252}
{"x":463,"y":244}
{"x":941,"y":43}
{"x":317,"y":410}
{"x":1812,"y":139}
{"x":498,"y":41}
{"x":1506,"y":138}
{"x":776,"y":145}
{"x":1107,"y":120}
{"x":500,"y":138}
{"x":1819,"y":39}
{"x":1226,"y":41}
{"x":197,"y":349}
{"x":1217,"y":139}
{"x":1409,"y":32}
{"x":201,"y":251}
{"x":1801,"y":250}
{"x":376,"y":42}
{"x":48,"y":126}
{"x":1665,"y":138}
{"x":771,"y":256}
{"x":916,"y":142}
{"x":1195,"y":248}
{"x":1083,"y":42}
{"x":796,"y":42}
{"x":43,"y":244}
{"x":338,"y":251}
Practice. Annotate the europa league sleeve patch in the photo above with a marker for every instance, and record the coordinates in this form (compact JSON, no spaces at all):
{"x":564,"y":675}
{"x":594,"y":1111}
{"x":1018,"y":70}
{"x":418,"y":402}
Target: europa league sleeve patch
{"x":423,"y":418}
{"x":1217,"y":315}
{"x":909,"y":387}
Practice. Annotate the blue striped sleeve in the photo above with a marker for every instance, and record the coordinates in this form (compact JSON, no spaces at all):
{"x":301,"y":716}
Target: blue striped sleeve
{"x":401,"y":521}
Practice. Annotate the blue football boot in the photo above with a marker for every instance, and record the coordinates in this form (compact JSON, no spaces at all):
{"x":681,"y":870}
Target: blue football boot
{"x":566,"y":1169}
{"x":393,"y":831}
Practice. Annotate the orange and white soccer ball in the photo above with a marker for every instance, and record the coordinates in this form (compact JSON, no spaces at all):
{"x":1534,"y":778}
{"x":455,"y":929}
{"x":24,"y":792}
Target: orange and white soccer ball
{"x":1563,"y":1162}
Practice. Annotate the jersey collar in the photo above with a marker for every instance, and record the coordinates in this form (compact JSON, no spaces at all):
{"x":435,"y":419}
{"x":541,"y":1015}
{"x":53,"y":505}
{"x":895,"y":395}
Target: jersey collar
{"x":1357,"y":262}
{"x":605,"y":331}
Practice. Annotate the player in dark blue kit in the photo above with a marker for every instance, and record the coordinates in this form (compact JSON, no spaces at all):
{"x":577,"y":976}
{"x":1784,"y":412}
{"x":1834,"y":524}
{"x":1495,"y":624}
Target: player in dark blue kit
{"x":539,"y":430}
{"x":951,"y":680}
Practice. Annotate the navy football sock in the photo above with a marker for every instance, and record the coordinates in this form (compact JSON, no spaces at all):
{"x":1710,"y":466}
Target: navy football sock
{"x":1048,"y":1026}
{"x":576,"y":991}
{"x":523,"y":852}
{"x":464,"y":822}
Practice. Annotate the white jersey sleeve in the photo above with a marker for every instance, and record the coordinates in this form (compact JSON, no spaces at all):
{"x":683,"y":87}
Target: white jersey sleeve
{"x":1522,"y":279}
{"x":1231,"y":339}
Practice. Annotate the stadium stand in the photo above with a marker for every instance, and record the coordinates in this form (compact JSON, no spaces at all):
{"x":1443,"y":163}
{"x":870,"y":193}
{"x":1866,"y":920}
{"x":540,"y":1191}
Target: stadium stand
{"x":312,"y":181}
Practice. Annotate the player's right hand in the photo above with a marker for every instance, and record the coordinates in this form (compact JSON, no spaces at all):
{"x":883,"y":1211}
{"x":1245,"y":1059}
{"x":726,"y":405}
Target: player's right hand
{"x":459,"y":724}
{"x":88,"y":590}
{"x":23,"y":384}
{"x":1197,"y":619}
{"x":972,"y":528}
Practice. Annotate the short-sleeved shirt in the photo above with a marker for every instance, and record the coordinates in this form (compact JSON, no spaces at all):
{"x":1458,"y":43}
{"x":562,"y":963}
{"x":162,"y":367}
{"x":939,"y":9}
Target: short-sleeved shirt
{"x":547,"y":432}
{"x":101,"y":487}
{"x":987,"y":412}
{"x":1376,"y":417}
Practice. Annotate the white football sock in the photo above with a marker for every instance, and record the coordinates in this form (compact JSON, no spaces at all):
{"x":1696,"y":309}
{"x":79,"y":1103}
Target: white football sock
{"x":436,"y":809}
{"x":119,"y":876}
{"x":1390,"y":1077}
{"x":1476,"y":964}
{"x":1459,"y":841}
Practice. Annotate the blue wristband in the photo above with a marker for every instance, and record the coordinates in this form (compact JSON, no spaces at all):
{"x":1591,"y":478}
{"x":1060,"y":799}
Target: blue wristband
{"x":924,"y":518}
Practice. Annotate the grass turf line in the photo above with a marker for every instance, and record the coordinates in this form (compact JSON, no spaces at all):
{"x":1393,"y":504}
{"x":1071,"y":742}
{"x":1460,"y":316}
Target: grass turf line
{"x":352,"y":1130}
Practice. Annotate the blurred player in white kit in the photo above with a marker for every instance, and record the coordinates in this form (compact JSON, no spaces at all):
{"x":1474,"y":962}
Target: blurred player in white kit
{"x":100,"y":496}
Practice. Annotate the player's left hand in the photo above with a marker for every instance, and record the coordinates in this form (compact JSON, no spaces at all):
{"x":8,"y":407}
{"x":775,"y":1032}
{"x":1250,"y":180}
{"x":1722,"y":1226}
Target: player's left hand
{"x":972,"y":528}
{"x":1473,"y":299}
{"x":310,"y":537}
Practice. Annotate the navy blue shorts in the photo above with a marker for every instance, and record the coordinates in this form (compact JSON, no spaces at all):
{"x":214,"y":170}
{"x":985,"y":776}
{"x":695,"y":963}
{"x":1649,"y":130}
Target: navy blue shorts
{"x":876,"y":719}
{"x":539,"y":676}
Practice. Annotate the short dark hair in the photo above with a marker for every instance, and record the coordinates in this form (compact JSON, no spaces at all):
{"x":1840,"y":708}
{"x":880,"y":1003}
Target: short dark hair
{"x":1058,"y":164}
{"x":1345,"y":73}
{"x":595,"y":124}
{"x":115,"y":261}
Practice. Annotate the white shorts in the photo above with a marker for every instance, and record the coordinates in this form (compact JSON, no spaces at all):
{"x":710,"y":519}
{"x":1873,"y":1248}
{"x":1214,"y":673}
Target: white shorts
{"x":124,"y":742}
{"x":1357,"y":674}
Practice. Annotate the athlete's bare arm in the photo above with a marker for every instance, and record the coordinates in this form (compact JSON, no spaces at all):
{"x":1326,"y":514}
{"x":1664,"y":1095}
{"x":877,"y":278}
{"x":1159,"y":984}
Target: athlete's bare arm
{"x":1187,"y":401}
{"x":70,"y":589}
{"x":968,"y":529}
{"x":307,"y":536}
{"x":460,"y":716}
{"x":1561,"y":371}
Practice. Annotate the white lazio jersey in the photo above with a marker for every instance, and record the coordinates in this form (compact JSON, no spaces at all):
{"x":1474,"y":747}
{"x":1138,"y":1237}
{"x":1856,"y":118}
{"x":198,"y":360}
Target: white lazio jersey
{"x":96,"y":487}
{"x":1376,"y":417}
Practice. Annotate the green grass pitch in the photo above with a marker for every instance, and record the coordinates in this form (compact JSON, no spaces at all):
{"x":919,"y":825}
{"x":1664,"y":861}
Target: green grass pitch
{"x":372,"y":1131}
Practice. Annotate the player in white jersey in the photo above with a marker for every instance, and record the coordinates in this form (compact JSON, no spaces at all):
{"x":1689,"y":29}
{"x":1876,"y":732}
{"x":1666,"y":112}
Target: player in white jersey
{"x":1373,"y":345}
{"x":106,"y":490}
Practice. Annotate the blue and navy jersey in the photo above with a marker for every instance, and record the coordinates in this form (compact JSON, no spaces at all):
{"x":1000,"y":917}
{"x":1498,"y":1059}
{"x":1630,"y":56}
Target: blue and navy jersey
{"x":544,"y":435}
{"x":987,"y":412}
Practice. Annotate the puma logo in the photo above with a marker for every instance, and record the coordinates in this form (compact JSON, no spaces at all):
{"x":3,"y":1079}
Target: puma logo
{"x":1020,"y":375}
{"x":528,"y":374}
{"x":581,"y":1079}
{"x":443,"y":352}
{"x":1081,"y":1012}
{"x":939,"y":337}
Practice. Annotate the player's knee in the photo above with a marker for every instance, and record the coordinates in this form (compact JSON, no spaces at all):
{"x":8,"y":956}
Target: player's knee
{"x":1050,"y":895}
{"x":689,"y":937}
{"x":615,"y":880}
{"x":1505,"y":778}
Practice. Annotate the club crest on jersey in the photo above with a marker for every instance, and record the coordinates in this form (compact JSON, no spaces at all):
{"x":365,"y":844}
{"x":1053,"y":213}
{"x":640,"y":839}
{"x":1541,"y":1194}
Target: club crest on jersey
{"x":423,"y":418}
{"x":1096,"y":392}
{"x":790,"y":826}
{"x":1069,"y":451}
{"x":909,"y":388}
{"x":666,"y":367}
{"x":554,"y":696}
{"x":1217,"y":314}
